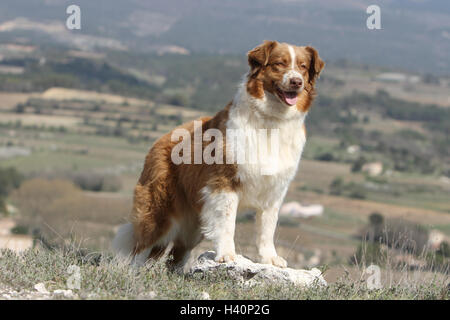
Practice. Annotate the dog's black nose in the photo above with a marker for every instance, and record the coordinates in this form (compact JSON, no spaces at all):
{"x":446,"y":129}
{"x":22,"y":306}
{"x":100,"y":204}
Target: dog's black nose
{"x":296,"y":82}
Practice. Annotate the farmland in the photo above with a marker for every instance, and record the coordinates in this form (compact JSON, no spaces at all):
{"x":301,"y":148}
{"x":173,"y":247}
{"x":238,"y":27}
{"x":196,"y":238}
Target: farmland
{"x":78,"y":135}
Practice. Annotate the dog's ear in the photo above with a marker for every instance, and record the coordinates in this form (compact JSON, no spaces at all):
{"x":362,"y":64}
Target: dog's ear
{"x":259,"y":56}
{"x":316,"y":64}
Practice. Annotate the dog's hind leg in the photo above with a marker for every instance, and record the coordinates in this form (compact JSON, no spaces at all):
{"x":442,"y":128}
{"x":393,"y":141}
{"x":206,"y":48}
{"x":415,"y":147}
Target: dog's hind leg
{"x":178,"y":256}
{"x":157,"y":252}
{"x":189,"y":235}
{"x":148,"y":236}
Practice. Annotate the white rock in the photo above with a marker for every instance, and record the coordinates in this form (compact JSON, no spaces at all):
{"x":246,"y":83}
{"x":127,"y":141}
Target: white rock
{"x":296,"y":210}
{"x":89,"y":296}
{"x":373,"y":169}
{"x":205,"y":296}
{"x":247,"y":270}
{"x":63,"y":293}
{"x":353,"y":149}
{"x":40,"y":287}
{"x":435,"y":238}
{"x":250,"y":283}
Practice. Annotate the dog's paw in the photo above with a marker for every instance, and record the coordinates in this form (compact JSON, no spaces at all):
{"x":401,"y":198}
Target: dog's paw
{"x":224,"y":258}
{"x":277,"y":261}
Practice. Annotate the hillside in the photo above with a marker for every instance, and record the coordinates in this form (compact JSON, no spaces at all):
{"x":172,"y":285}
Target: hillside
{"x":414,"y":34}
{"x":76,"y":127}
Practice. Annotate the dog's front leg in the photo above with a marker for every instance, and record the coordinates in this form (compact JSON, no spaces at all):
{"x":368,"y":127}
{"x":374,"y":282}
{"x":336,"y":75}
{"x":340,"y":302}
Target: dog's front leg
{"x":266,"y":222}
{"x":218,"y":223}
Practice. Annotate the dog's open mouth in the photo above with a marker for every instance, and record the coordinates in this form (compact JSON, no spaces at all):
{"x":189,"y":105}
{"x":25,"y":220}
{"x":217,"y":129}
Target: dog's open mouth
{"x":288,"y":97}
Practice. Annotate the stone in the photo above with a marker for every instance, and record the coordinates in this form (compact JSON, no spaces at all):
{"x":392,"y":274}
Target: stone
{"x":40,"y":287}
{"x":205,"y":296}
{"x":63,"y":293}
{"x":250,"y":273}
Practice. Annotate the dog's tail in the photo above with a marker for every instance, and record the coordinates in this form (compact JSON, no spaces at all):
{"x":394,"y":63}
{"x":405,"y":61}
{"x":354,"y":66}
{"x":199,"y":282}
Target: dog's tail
{"x":123,"y":243}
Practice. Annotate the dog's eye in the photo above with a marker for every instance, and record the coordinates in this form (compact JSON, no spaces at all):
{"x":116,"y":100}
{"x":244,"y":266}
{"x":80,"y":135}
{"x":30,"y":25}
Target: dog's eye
{"x":303,"y":66}
{"x":279,"y":64}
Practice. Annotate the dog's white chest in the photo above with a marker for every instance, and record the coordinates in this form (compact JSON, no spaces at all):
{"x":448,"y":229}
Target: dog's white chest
{"x":272,"y":144}
{"x":265,"y":182}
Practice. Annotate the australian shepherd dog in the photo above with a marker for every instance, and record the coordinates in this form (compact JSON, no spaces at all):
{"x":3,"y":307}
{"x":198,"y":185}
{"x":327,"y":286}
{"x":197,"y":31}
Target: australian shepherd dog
{"x":178,"y":203}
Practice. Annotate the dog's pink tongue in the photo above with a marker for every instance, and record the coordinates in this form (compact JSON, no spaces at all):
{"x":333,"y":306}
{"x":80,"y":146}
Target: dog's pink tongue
{"x":291,"y":98}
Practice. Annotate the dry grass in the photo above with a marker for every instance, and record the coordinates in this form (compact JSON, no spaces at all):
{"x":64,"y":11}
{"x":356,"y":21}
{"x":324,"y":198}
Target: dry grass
{"x":103,"y":277}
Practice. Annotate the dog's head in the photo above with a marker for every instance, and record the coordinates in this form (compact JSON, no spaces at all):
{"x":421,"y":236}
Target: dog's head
{"x":285,"y":71}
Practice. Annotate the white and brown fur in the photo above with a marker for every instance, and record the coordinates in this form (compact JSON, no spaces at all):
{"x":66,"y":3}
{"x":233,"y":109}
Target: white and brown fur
{"x":182,"y":204}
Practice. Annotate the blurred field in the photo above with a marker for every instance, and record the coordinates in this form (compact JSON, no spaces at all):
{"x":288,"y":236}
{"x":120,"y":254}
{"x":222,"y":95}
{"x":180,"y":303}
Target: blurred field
{"x":79,"y":111}
{"x":98,"y":141}
{"x":9,"y":100}
{"x":366,"y":81}
{"x":61,"y":139}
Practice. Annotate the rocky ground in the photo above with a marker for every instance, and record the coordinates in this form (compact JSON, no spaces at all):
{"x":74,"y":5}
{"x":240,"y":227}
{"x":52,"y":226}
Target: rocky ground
{"x":39,"y":293}
{"x":45,"y":274}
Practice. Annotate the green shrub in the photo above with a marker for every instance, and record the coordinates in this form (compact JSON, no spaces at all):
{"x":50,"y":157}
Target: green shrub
{"x":288,"y":222}
{"x":91,"y":181}
{"x":358,"y":164}
{"x":2,"y":206}
{"x":337,"y":186}
{"x":10,"y":179}
{"x":369,"y":253}
{"x":396,"y":233}
{"x":19,"y":229}
{"x":327,"y":156}
{"x":444,"y":249}
{"x":357,"y":193}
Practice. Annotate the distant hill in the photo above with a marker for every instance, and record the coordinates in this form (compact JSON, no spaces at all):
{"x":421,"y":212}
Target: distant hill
{"x":415,"y":35}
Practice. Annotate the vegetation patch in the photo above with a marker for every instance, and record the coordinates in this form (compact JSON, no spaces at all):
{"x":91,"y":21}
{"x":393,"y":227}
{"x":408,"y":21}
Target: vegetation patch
{"x":103,"y":277}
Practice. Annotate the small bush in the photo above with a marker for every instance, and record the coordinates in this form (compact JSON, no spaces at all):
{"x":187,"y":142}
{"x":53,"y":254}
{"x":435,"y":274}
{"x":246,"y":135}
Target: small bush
{"x":358,"y":164}
{"x":444,"y":249}
{"x":336,"y":186}
{"x":20,"y":230}
{"x":396,"y":233}
{"x":10,"y":179}
{"x":111,"y":183}
{"x":357,"y":194}
{"x":406,"y":236}
{"x":89,"y":181}
{"x":327,"y":156}
{"x":369,"y":253}
{"x":3,"y":208}
{"x":288,"y":222}
{"x":339,"y":188}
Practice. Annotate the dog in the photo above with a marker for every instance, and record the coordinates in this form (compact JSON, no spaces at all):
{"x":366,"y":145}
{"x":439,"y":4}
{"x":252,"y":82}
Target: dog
{"x":182,"y":203}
